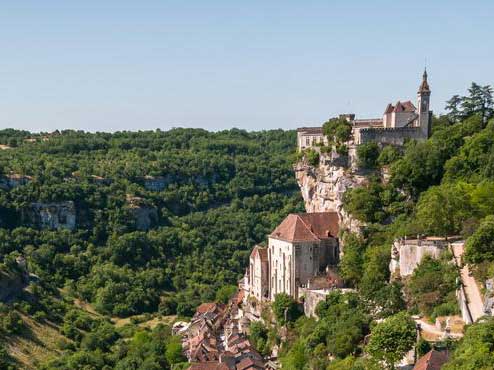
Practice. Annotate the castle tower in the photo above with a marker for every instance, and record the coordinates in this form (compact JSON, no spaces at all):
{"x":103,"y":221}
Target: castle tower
{"x":423,"y":103}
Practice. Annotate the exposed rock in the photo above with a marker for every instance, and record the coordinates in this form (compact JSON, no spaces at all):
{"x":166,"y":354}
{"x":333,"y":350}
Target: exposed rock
{"x":323,"y":187}
{"x":11,"y":284}
{"x":145,"y":215}
{"x":156,"y":183}
{"x":14,"y":180}
{"x":57,"y":215}
{"x":489,"y":297}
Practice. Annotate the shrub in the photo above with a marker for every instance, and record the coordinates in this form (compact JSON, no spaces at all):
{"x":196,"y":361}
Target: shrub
{"x":312,"y":157}
{"x":367,"y":155}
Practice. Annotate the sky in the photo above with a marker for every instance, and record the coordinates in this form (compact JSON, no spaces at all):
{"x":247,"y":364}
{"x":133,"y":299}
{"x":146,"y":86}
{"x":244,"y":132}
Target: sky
{"x":108,"y":65}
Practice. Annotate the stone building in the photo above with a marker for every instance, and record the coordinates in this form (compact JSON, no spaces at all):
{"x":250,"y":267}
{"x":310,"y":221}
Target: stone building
{"x":299,"y":249}
{"x":400,"y":122}
{"x":258,"y":270}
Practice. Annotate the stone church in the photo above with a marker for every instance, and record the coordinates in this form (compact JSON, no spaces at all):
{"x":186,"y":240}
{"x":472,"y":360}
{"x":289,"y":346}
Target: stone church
{"x":400,"y":121}
{"x":299,"y":249}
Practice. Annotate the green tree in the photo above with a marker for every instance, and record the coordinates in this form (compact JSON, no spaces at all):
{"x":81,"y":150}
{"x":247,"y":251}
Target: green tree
{"x":443,"y":209}
{"x":480,"y":246}
{"x":225,"y":293}
{"x":337,"y":130}
{"x":285,"y":308}
{"x":392,"y":339}
{"x":433,"y":283}
{"x":367,"y":155}
{"x":388,"y":155}
{"x":476,"y":350}
{"x":258,"y":335}
{"x":174,"y":352}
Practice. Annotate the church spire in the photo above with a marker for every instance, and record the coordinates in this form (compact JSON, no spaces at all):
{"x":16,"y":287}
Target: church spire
{"x":424,"y":86}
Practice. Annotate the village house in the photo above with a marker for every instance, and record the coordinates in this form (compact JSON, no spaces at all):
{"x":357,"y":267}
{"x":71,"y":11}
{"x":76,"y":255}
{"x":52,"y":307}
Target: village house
{"x":400,"y":121}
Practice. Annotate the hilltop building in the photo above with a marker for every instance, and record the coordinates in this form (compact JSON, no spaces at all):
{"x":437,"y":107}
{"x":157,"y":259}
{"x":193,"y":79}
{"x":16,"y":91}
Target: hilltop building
{"x":302,"y":247}
{"x":400,"y":121}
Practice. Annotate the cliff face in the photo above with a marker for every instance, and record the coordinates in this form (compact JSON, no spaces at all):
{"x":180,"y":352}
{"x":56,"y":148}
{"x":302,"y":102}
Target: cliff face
{"x":323,"y":187}
{"x":57,"y":215}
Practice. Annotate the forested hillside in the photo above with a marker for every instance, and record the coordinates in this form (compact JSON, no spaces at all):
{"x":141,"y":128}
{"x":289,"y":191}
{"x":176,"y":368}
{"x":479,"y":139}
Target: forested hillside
{"x":160,"y":221}
{"x":442,"y":187}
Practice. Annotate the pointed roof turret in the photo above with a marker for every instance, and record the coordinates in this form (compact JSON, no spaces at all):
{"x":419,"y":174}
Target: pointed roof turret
{"x":424,"y":86}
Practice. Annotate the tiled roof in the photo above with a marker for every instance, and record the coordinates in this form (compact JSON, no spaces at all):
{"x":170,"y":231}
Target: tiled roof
{"x":432,"y":360}
{"x":210,"y":365}
{"x":208,"y":307}
{"x":406,"y":106}
{"x":261,"y":251}
{"x":248,"y":363}
{"x":311,"y":130}
{"x":307,"y":227}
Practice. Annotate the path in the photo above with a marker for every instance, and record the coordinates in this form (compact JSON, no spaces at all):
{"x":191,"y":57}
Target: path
{"x":433,"y":333}
{"x":472,"y":291}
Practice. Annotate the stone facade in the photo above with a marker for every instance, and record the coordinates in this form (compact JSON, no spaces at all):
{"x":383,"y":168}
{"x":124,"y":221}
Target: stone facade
{"x":259,"y":270}
{"x":308,"y":137}
{"x":400,"y":122}
{"x":301,"y":247}
{"x":406,"y":254}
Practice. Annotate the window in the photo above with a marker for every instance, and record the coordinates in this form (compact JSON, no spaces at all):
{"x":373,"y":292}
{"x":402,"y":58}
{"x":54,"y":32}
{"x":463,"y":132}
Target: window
{"x":307,"y":141}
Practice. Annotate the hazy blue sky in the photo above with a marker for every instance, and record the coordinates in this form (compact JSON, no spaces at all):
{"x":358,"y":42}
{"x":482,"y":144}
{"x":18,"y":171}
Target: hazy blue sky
{"x":145,"y":64}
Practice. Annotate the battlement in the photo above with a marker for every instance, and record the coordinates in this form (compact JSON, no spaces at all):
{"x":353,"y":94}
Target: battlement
{"x":388,"y":135}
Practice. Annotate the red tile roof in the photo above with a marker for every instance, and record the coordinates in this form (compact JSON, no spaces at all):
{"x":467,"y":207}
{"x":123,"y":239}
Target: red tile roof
{"x":307,"y":227}
{"x":311,"y":130}
{"x":432,"y":360}
{"x":210,"y":365}
{"x":208,"y":307}
{"x":261,"y":251}
{"x":248,"y":363}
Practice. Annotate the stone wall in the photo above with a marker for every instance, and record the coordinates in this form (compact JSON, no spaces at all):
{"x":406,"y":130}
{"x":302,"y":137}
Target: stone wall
{"x":407,"y":254}
{"x":388,"y":136}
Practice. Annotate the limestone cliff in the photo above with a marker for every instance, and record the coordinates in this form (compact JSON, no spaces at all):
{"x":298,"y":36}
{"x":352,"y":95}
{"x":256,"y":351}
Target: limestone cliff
{"x":56,"y":215}
{"x":323,"y":186}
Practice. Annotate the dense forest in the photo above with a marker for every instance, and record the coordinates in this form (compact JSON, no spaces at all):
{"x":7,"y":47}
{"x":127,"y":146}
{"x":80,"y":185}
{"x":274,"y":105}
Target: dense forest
{"x":212,"y":197}
{"x":122,"y":233}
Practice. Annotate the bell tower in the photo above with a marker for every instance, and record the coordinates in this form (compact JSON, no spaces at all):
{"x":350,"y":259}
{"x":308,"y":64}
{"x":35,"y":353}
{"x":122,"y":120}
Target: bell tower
{"x":423,"y":102}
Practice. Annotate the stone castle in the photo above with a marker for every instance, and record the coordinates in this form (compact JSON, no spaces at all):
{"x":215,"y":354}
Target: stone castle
{"x":400,"y":122}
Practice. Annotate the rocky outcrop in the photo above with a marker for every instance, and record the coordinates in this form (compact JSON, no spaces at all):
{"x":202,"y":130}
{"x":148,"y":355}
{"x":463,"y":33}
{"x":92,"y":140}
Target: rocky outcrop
{"x":156,"y":183}
{"x":145,"y":215}
{"x":323,"y":186}
{"x":11,"y":285}
{"x":57,"y":215}
{"x":14,"y":180}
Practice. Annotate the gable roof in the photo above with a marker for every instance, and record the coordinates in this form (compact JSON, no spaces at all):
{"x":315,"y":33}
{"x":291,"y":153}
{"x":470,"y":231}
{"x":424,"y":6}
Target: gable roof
{"x":311,"y":130}
{"x":307,"y":227}
{"x":432,"y":360}
{"x":248,"y":363}
{"x":262,"y":252}
{"x":210,"y":365}
{"x":399,"y":107}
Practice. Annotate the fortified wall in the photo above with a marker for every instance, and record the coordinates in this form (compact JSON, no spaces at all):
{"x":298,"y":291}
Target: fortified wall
{"x":388,"y":136}
{"x":406,"y":254}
